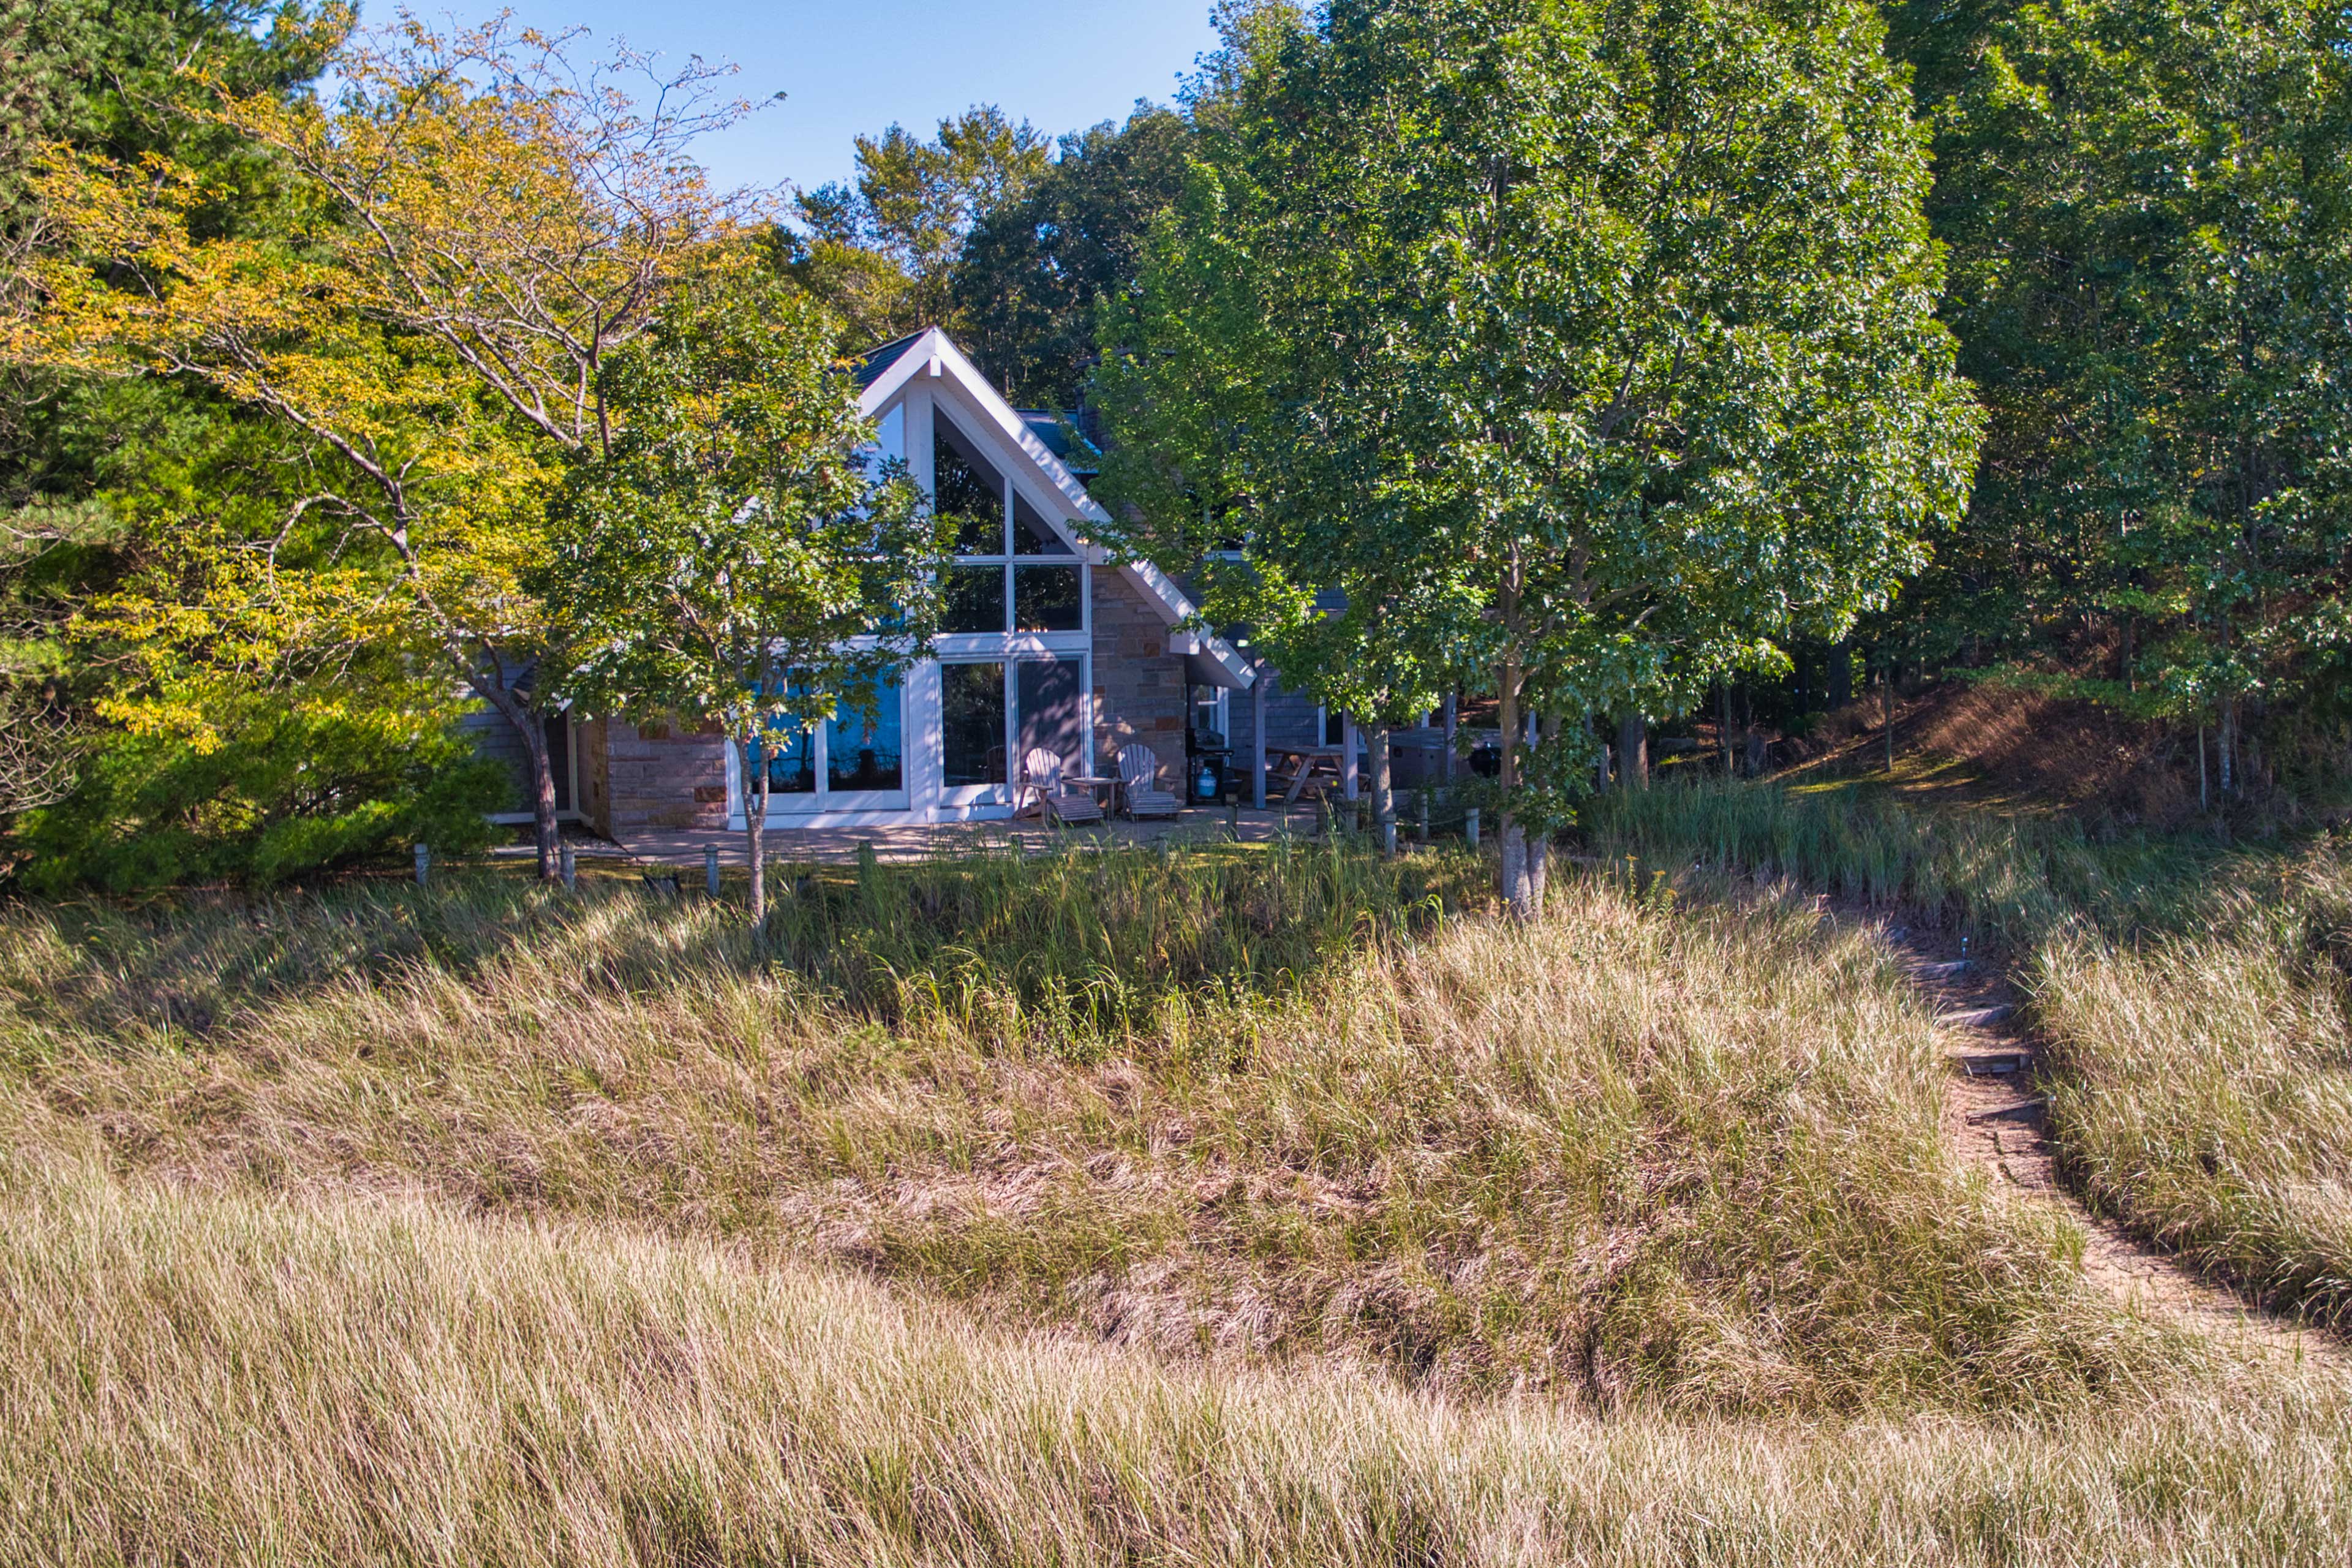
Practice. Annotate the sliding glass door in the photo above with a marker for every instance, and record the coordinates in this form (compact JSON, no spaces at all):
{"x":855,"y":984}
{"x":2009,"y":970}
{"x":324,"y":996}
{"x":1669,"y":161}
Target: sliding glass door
{"x":990,"y":721}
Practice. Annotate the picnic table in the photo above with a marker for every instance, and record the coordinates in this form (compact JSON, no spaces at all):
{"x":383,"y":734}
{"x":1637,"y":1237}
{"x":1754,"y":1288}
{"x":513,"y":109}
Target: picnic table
{"x":1303,"y":763}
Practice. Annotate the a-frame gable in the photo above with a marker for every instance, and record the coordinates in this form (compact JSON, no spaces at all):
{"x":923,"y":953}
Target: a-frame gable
{"x":931,"y":354}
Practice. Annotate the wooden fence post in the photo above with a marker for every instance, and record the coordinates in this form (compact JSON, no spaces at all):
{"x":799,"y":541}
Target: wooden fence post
{"x":424,"y":863}
{"x":711,"y":869}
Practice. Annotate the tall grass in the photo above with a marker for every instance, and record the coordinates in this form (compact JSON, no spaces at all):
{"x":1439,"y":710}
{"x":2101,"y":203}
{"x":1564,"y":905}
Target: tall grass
{"x":2203,"y":1083}
{"x":2200,"y":1087}
{"x":2013,"y":881}
{"x":213,"y":1379}
{"x":1634,"y":1156}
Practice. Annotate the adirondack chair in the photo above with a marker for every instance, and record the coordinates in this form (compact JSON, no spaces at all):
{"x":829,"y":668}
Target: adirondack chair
{"x":1139,"y":784}
{"x":1042,"y":771}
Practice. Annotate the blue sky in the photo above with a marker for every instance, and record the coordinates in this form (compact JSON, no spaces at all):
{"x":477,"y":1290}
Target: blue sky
{"x":852,"y":66}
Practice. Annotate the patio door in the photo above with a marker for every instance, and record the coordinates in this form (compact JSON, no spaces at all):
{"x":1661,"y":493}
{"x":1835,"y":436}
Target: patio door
{"x":1050,"y":707}
{"x":993,"y":713}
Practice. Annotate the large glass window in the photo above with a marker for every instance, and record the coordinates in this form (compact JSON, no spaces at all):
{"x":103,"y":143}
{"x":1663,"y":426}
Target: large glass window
{"x":1032,"y":534}
{"x":1048,"y":599}
{"x":789,"y":750}
{"x":863,"y":749}
{"x":975,"y":600}
{"x":971,"y":724}
{"x":965,"y":488}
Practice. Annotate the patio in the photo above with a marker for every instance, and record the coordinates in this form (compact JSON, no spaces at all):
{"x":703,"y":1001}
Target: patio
{"x":1207,"y":825}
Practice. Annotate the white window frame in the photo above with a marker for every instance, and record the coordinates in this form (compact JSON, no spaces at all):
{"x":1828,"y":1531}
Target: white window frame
{"x":824,"y":800}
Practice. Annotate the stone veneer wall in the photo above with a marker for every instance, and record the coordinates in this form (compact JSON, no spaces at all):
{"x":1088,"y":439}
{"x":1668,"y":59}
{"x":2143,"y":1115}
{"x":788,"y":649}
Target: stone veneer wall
{"x":596,"y":781}
{"x":1138,"y":684}
{"x":655,"y":777}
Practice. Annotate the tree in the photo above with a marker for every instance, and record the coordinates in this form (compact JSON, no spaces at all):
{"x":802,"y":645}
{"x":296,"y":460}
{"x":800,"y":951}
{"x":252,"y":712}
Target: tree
{"x":1595,"y":344}
{"x":910,"y":209}
{"x":735,"y":556}
{"x":489,"y":218}
{"x":2146,"y":205}
{"x":1028,"y":279}
{"x":103,"y":75}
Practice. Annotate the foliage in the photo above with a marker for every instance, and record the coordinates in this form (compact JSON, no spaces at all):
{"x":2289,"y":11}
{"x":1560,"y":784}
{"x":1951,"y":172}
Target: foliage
{"x":311,"y":785}
{"x":2146,"y":203}
{"x":480,"y":219}
{"x":883,"y":252}
{"x":1029,"y":277}
{"x":733,"y":555}
{"x":108,"y":77}
{"x":1581,"y":378}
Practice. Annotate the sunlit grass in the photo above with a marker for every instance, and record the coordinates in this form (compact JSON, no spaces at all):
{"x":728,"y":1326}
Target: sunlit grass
{"x":2202,"y":1087}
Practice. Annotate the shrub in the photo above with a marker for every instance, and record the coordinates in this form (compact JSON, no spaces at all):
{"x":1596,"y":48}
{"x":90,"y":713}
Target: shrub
{"x":297,"y":788}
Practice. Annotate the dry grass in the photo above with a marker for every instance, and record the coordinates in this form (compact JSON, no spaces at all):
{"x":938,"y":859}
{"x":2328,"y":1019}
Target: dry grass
{"x":2200,"y":1083}
{"x":1678,"y":1158}
{"x":499,"y":1226}
{"x":2203,"y":1085}
{"x":199,"y":1378}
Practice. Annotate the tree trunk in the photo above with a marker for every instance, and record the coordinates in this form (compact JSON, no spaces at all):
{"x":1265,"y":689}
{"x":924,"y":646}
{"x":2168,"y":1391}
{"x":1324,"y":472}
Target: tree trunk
{"x":1840,"y":674}
{"x":531,"y":726}
{"x":1453,"y":728}
{"x":1890,"y":716}
{"x":1722,"y":725}
{"x":2226,"y":750}
{"x":755,"y":832}
{"x":1539,"y":843}
{"x":1632,"y":751}
{"x":1515,"y":846}
{"x":1383,"y":781}
{"x":1258,"y":736}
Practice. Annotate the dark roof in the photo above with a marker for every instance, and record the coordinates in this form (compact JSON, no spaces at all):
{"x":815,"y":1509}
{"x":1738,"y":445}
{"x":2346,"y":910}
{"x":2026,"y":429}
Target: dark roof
{"x":1053,"y":430}
{"x":877,"y":361}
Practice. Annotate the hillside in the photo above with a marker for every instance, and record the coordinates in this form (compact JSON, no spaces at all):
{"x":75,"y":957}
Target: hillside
{"x":1249,"y":1206}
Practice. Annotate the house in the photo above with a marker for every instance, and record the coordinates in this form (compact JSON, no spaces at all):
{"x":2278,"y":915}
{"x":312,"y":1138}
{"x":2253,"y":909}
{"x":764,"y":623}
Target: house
{"x":1046,"y":643}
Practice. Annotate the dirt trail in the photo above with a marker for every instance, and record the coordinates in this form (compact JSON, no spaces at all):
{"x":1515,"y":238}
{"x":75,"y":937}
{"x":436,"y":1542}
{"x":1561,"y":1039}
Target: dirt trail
{"x":1993,"y":1117}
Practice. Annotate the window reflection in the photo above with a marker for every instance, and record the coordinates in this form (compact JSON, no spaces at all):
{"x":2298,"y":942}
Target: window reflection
{"x":971,"y":724}
{"x":1048,"y":599}
{"x":975,"y":600}
{"x":864,"y":750}
{"x":1032,"y":534}
{"x":965,"y":488}
{"x":789,"y":750}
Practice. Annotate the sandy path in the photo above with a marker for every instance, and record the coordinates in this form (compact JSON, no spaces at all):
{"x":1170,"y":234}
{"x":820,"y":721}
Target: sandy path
{"x":1993,"y":1118}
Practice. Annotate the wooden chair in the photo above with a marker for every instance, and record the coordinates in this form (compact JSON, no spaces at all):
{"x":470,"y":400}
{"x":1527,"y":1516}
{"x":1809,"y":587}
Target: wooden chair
{"x":1042,"y":771}
{"x":1139,"y":784}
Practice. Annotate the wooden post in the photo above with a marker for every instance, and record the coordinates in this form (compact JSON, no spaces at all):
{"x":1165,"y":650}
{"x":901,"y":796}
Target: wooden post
{"x":570,"y":861}
{"x":1453,"y":727}
{"x":424,"y":863}
{"x":1257,"y":738}
{"x":1470,"y":827}
{"x":711,"y":869}
{"x":1890,"y":716}
{"x":1348,"y":789}
{"x":1424,"y":813}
